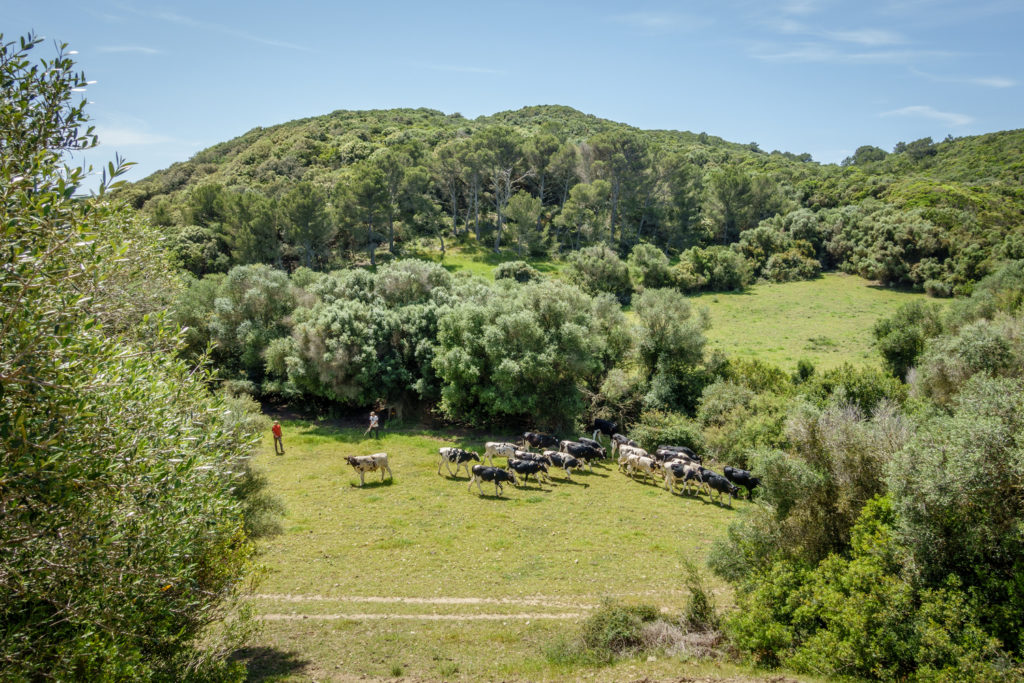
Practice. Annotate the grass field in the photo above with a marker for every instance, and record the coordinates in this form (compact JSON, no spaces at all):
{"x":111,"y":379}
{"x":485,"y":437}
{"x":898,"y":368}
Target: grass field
{"x":419,"y":577}
{"x":827,"y":321}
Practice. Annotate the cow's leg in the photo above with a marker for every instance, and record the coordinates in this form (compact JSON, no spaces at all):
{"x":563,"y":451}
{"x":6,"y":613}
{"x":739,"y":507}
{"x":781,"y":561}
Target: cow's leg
{"x":361,"y":480}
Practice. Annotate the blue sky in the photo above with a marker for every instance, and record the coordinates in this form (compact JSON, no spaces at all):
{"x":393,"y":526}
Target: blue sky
{"x":818,"y":76}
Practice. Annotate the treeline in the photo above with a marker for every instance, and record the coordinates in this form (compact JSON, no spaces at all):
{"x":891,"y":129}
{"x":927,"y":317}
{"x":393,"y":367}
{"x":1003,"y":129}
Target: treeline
{"x":326,"y":192}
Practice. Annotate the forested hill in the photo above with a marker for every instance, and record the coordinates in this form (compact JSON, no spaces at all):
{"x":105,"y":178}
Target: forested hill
{"x":326,"y":191}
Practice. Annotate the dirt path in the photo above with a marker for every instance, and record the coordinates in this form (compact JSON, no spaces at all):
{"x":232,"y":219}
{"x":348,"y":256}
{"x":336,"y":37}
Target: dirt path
{"x":538,"y":601}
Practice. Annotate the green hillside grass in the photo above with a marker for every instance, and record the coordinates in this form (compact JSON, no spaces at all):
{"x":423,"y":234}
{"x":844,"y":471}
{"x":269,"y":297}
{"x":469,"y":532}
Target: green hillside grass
{"x":827,"y":321}
{"x":542,"y":555}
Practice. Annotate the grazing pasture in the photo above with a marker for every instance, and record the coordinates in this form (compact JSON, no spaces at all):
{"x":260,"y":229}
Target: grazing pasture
{"x":827,"y":321}
{"x":417,"y":576}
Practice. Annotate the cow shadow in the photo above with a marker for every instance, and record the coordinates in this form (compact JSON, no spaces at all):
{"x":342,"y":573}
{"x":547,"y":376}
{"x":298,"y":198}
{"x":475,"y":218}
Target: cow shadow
{"x":268,"y":663}
{"x":491,"y":496}
{"x":574,"y":482}
{"x":373,"y":484}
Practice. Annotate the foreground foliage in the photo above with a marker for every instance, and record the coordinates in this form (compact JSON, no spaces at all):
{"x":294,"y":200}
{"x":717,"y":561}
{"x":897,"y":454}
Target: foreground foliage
{"x":122,"y":512}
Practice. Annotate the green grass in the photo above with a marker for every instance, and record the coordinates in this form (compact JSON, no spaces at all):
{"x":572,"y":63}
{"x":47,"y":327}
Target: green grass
{"x":827,"y":321}
{"x":478,"y":259}
{"x":421,"y":575}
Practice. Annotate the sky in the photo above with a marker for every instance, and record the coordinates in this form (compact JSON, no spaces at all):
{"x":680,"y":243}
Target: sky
{"x":817,"y":76}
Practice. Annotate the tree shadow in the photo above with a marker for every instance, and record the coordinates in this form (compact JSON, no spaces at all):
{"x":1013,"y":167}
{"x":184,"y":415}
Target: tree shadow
{"x":268,"y":663}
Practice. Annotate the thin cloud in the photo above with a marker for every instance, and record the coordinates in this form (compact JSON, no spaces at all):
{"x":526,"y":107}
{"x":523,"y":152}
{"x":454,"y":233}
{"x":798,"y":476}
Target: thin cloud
{"x":660,"y":21}
{"x":984,"y":81}
{"x":820,"y":53}
{"x":801,"y":7}
{"x":181,"y":20}
{"x":173,"y":18}
{"x":128,"y":49}
{"x":870,"y":37}
{"x":130,"y":137}
{"x":461,"y":69}
{"x":924,"y":111}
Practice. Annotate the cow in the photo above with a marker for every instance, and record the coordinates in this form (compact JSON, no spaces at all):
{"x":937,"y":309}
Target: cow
{"x":535,"y":457}
{"x":563,"y":460}
{"x":593,"y":444}
{"x":579,"y":451}
{"x":625,"y":451}
{"x":370,"y":463}
{"x":607,"y":427}
{"x":495,"y":474}
{"x":668,"y":452}
{"x":501,"y":448}
{"x":649,"y":466}
{"x":742,"y":478}
{"x":621,"y":440}
{"x":460,"y":457}
{"x":527,"y":467}
{"x":719,"y":484}
{"x":677,"y":470}
{"x":538,"y":440}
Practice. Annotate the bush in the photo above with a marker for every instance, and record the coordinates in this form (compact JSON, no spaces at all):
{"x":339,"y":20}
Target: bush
{"x":718,"y":269}
{"x":615,"y":628}
{"x":520,"y":271}
{"x":649,"y":267}
{"x":599,"y":269}
{"x":656,"y":428}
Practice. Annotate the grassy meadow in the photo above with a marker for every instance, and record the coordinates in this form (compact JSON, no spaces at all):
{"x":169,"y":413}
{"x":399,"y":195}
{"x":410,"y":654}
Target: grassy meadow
{"x":828,"y":321}
{"x":420,"y":577}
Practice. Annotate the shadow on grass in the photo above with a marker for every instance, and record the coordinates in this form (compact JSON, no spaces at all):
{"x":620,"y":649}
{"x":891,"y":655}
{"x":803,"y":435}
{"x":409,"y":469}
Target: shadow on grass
{"x":574,"y":482}
{"x":490,"y":496}
{"x":373,"y":484}
{"x":268,"y":663}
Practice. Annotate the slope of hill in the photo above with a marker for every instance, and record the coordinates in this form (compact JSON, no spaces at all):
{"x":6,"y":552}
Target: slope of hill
{"x":934,"y":216}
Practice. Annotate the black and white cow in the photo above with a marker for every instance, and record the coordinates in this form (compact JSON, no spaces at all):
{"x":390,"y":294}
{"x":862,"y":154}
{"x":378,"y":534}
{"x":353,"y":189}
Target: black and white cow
{"x":685,"y":472}
{"x":370,"y":463}
{"x":525,"y":468}
{"x":719,"y":484}
{"x":742,"y":478}
{"x":495,"y":474}
{"x":461,"y":458}
{"x":606,"y":427}
{"x":563,"y":460}
{"x":538,"y":440}
{"x":580,"y":451}
{"x":669,"y":452}
{"x":593,"y":444}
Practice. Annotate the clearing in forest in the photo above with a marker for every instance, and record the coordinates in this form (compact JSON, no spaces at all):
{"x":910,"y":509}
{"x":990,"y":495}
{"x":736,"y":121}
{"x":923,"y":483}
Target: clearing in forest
{"x":828,"y":321}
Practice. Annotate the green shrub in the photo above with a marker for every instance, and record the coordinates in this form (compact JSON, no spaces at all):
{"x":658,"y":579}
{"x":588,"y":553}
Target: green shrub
{"x":657,"y":427}
{"x":520,"y":271}
{"x":599,"y":269}
{"x":615,"y":628}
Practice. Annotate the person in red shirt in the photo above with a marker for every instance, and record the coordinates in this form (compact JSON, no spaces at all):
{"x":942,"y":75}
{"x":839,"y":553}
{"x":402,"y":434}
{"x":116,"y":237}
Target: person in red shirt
{"x":278,"y":444}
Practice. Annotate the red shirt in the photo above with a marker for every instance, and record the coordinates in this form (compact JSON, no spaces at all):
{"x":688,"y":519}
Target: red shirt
{"x":276,"y":429}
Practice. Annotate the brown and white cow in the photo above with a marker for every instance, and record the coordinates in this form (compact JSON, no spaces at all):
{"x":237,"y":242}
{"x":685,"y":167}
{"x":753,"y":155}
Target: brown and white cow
{"x":370,"y":463}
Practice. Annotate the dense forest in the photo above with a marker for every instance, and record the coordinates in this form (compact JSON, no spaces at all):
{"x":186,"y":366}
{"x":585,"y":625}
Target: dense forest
{"x":886,"y":541}
{"x":330,"y":191}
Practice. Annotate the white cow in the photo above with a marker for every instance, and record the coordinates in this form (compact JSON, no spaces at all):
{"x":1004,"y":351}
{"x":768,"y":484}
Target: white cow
{"x":370,"y":463}
{"x":500,"y":448}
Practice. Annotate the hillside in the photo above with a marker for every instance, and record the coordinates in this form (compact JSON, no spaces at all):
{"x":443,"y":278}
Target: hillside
{"x":330,"y":190}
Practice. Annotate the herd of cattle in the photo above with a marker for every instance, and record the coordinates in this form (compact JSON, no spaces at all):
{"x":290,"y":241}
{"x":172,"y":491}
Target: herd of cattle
{"x":674,"y":465}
